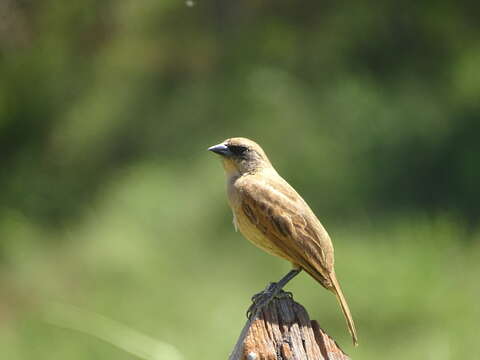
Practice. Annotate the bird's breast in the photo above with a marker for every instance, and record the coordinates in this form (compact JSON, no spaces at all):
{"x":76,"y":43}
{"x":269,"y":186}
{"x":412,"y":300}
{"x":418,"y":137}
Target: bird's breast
{"x":254,"y":234}
{"x":251,"y":231}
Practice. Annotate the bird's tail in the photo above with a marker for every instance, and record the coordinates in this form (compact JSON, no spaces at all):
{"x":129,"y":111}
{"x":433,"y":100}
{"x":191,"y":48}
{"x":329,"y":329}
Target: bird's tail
{"x":345,"y":309}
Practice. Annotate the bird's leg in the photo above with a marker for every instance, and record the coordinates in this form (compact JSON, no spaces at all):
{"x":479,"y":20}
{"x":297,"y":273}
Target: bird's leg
{"x":272,"y":290}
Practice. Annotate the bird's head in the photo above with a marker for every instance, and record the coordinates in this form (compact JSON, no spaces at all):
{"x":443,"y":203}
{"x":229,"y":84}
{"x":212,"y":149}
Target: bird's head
{"x":241,"y":156}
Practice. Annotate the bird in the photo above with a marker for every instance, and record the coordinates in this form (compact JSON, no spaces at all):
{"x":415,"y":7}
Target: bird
{"x":273,"y":216}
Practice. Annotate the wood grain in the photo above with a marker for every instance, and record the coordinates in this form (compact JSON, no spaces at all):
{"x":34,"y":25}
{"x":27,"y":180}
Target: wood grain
{"x":284,"y":331}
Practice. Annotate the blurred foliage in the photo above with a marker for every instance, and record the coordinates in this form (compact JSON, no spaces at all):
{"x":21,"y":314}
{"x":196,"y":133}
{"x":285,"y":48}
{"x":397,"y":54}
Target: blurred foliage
{"x":109,"y":201}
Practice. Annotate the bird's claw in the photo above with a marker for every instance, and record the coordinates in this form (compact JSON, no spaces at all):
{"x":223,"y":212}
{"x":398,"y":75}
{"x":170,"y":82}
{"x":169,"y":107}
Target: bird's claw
{"x":284,"y":295}
{"x":263,"y":298}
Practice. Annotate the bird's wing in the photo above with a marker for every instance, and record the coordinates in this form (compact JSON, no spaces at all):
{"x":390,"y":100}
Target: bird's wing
{"x":277,"y":210}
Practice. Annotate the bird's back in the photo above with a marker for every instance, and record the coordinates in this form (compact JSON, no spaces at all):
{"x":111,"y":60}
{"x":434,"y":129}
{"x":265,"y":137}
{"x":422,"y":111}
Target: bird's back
{"x":273,"y":216}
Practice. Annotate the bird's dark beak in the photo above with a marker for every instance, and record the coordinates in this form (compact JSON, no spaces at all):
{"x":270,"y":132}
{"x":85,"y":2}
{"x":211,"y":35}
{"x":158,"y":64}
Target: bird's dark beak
{"x":220,"y":149}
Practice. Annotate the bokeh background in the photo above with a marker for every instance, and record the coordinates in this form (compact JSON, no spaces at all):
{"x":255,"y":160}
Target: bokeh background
{"x":113,"y":216}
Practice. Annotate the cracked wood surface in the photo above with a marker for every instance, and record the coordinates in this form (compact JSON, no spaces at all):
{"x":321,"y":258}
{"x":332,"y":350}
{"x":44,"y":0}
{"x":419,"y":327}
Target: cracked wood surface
{"x":284,"y":331}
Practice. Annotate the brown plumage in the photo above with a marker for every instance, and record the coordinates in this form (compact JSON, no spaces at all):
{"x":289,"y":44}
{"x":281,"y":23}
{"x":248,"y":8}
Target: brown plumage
{"x":274,"y":217}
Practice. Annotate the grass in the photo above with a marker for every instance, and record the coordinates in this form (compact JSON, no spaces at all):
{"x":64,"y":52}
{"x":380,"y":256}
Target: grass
{"x":162,"y":260}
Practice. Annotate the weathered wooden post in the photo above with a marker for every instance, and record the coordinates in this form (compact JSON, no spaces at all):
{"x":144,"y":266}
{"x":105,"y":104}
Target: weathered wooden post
{"x":284,"y":331}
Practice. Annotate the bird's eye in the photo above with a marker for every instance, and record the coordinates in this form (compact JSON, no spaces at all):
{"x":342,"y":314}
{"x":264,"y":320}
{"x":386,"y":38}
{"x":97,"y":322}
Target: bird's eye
{"x":237,"y":149}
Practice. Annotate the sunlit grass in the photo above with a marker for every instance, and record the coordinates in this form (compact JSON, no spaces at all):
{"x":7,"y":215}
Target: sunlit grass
{"x":116,"y":334}
{"x":176,"y":270}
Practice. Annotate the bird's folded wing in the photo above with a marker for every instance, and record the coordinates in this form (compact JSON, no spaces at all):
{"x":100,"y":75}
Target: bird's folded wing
{"x":287,"y":221}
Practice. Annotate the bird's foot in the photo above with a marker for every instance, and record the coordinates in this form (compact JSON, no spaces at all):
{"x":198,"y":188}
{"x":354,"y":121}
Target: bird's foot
{"x":263,"y":298}
{"x":284,"y":295}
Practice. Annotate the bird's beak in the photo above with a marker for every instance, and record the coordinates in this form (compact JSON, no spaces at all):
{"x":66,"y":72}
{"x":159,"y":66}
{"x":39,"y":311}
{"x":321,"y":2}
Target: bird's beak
{"x":220,"y":149}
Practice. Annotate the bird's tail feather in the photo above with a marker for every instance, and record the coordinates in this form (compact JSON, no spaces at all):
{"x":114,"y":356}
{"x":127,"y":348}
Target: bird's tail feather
{"x":345,"y":309}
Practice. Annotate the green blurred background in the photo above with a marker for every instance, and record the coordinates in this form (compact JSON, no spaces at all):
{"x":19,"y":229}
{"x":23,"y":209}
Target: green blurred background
{"x":111,"y":205}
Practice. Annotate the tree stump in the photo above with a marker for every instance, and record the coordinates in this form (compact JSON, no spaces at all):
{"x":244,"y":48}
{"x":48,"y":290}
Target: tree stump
{"x":284,"y":331}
